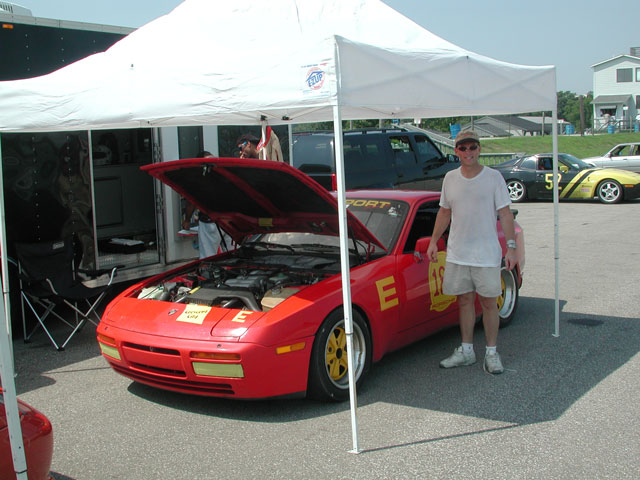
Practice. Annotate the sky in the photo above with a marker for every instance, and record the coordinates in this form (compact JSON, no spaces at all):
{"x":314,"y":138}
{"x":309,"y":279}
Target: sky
{"x":573,"y":35}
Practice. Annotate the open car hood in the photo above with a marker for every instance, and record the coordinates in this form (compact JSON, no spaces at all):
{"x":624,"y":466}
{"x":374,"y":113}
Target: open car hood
{"x":246,"y":197}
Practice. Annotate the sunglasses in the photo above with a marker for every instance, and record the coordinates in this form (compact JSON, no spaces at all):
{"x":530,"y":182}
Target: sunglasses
{"x":242,"y":145}
{"x":473,"y":147}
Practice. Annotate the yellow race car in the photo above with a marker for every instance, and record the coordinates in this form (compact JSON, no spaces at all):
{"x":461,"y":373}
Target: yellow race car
{"x":531,"y":177}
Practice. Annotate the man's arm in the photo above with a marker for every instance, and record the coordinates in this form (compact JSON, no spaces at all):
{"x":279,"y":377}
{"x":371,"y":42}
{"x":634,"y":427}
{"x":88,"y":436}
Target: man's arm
{"x":443,"y":218}
{"x":188,"y":212}
{"x":508,"y":228}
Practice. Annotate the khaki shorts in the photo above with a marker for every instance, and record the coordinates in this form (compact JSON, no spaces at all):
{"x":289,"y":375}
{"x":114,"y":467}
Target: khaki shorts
{"x":459,"y":279}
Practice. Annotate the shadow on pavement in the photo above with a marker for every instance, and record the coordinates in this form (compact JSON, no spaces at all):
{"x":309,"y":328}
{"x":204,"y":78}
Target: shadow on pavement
{"x":544,"y":374}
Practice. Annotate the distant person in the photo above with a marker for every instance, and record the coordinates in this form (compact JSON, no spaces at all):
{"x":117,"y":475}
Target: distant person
{"x":471,"y":196}
{"x":210,"y":237}
{"x":267,"y":148}
{"x":248,"y":146}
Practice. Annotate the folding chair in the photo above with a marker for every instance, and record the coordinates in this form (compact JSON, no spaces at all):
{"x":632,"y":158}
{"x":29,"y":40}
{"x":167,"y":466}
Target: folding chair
{"x":49,"y":279}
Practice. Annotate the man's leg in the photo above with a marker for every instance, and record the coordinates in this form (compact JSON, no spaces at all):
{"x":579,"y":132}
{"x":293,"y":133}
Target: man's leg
{"x":467,"y":315}
{"x":490,"y":319}
{"x":464,"y":354}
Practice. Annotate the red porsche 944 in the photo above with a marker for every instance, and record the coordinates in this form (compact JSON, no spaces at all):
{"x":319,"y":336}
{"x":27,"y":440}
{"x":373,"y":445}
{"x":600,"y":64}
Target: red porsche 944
{"x":266,"y":318}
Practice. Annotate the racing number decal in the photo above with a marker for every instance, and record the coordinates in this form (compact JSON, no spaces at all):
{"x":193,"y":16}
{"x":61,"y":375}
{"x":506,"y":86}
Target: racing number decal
{"x":439,"y":301}
{"x":548,"y":179}
{"x":241,"y":316}
{"x":387,"y":293}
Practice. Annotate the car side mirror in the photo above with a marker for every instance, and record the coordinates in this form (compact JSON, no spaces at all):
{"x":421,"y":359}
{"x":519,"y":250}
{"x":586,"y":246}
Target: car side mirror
{"x":420,"y":253}
{"x":452,"y":158}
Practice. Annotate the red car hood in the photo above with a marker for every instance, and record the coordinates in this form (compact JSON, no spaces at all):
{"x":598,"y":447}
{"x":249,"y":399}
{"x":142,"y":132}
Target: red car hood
{"x":246,"y":196}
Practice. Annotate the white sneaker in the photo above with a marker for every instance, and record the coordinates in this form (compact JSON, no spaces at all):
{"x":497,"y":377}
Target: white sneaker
{"x":459,"y":359}
{"x":493,"y":364}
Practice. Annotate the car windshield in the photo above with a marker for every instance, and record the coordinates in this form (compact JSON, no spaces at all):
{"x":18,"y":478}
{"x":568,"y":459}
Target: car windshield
{"x":383,"y":218}
{"x":575,"y":162}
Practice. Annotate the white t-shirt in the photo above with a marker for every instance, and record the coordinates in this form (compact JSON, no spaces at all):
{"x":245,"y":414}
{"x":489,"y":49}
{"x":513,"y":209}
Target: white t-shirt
{"x":474,"y":202}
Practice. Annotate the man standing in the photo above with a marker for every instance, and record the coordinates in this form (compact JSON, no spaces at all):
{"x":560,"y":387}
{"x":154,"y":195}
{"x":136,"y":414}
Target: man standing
{"x":471,"y":196}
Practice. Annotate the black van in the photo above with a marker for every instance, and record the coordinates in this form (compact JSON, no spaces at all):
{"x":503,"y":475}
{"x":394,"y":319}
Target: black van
{"x":374,"y":158}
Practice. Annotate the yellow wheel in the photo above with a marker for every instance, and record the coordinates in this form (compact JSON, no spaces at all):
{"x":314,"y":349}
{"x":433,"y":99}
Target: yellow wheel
{"x":328,"y":368}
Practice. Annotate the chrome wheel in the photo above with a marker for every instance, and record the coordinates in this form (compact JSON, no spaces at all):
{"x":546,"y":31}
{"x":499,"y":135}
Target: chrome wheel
{"x":508,"y":299}
{"x":517,"y":190}
{"x":610,"y":191}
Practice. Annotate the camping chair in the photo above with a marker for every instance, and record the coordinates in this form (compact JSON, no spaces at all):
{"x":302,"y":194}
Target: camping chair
{"x":49,"y":279}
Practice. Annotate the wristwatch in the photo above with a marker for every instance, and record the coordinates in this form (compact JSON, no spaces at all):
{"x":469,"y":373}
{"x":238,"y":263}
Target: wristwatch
{"x":511,"y":244}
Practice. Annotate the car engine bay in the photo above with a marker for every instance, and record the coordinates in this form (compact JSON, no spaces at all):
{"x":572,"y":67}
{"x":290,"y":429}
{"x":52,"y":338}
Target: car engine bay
{"x":256,"y":284}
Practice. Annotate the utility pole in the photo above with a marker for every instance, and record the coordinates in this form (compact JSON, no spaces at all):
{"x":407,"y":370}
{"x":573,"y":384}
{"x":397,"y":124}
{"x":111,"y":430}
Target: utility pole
{"x":581,"y":115}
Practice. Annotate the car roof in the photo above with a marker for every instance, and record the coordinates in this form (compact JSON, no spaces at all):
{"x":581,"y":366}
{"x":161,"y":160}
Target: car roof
{"x":362,"y":131}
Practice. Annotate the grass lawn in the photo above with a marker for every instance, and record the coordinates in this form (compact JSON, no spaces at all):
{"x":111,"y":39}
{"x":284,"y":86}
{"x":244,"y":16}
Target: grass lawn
{"x":581,"y":147}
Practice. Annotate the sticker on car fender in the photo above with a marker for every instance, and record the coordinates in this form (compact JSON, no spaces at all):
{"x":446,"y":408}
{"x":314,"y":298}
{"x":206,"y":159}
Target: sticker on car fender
{"x":194,"y":313}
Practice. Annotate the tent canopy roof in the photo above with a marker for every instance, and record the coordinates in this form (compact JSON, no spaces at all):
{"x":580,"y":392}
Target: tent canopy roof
{"x":243,"y":61}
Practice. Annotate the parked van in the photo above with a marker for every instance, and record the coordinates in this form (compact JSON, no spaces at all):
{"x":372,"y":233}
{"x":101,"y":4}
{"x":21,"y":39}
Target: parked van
{"x":374,"y":158}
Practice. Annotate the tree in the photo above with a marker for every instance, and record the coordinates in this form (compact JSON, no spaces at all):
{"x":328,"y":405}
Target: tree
{"x":569,"y":108}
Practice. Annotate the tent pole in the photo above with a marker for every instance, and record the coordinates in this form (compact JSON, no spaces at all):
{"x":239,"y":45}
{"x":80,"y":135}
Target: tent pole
{"x":6,"y":353}
{"x":556,"y":221}
{"x":344,"y":266}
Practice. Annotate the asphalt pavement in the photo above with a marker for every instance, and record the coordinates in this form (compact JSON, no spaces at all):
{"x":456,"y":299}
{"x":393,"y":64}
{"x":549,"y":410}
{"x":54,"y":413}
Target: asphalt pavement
{"x":566,"y":407}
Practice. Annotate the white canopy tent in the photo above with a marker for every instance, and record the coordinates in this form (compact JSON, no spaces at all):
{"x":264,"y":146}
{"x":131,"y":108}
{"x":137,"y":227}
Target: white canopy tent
{"x":279,"y":62}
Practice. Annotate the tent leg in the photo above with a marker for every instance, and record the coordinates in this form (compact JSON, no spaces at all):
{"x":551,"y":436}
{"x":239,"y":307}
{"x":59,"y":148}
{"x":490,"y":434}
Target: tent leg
{"x":6,"y":354}
{"x":346,"y":282}
{"x":556,"y":222}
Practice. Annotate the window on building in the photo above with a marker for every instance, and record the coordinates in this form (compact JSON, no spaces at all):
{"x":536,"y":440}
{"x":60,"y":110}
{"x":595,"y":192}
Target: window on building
{"x":624,"y":75}
{"x":637,"y":102}
{"x":637,"y":74}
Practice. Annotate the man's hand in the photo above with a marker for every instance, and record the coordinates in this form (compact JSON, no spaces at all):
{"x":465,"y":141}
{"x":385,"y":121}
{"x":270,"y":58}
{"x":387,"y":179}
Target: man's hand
{"x":432,"y":251}
{"x":510,"y":258}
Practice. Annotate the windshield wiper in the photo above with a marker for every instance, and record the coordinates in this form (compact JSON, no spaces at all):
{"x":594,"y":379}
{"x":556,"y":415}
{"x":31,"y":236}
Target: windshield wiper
{"x":317,"y":247}
{"x":268,"y":245}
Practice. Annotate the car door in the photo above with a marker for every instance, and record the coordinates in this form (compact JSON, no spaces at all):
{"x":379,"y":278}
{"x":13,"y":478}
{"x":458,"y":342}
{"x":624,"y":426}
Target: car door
{"x":631,"y":158}
{"x":433,"y":164}
{"x":634,"y":159}
{"x":421,"y":280}
{"x":543,"y":186}
{"x":620,"y":157}
{"x":409,"y":173}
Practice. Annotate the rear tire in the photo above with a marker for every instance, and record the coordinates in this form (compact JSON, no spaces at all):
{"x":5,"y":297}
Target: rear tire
{"x":328,"y":371}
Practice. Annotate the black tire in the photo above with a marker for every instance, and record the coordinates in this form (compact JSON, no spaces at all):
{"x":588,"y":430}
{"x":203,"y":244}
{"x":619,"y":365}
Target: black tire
{"x":328,"y":372}
{"x":508,"y":299}
{"x":609,"y":191}
{"x":517,"y":191}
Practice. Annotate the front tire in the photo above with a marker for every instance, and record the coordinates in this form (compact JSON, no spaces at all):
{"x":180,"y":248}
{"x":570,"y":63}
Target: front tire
{"x":610,"y":191}
{"x":508,"y":299}
{"x":328,"y":370}
{"x":517,"y":191}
